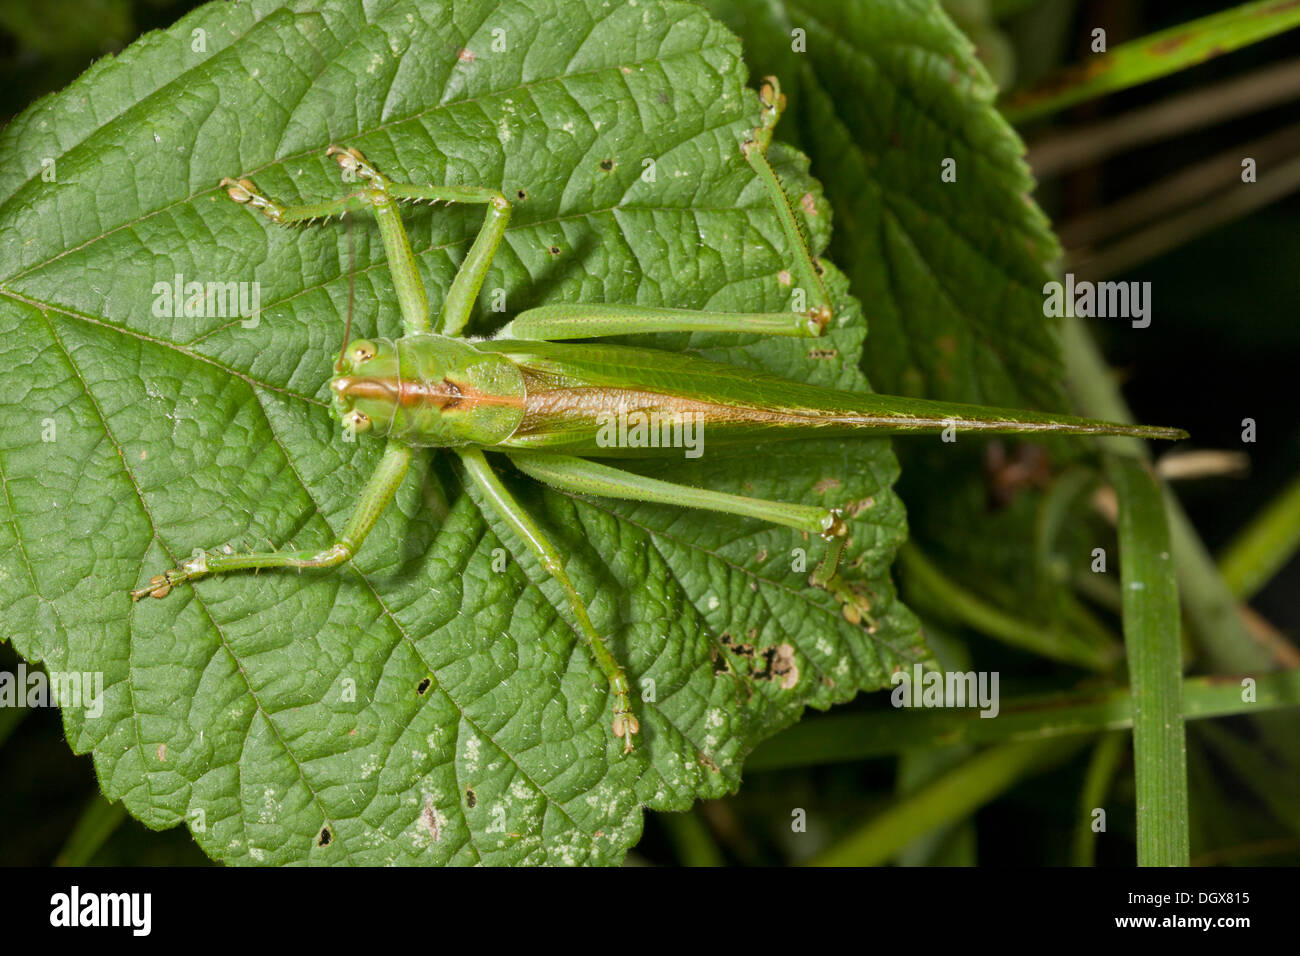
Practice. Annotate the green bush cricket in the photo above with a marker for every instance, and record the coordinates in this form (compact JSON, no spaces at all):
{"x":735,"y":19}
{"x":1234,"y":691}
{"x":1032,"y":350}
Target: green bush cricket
{"x":546,"y":405}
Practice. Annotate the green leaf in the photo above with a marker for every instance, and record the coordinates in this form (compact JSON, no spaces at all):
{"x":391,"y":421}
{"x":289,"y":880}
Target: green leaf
{"x":427,"y":703}
{"x":950,"y":273}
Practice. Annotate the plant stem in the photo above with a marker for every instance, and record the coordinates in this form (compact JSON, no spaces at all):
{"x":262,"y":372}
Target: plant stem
{"x":1092,"y":143}
{"x":1177,"y":230}
{"x":1189,"y":186}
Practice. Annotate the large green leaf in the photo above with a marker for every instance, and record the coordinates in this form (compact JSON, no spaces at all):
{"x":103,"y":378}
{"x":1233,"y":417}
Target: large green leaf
{"x":429,"y":702}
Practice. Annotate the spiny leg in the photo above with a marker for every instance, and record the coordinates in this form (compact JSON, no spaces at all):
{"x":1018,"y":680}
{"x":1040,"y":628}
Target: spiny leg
{"x":469,"y":278}
{"x":473,"y":270}
{"x":755,"y":151}
{"x":580,"y":476}
{"x":522,"y":524}
{"x":375,"y":194}
{"x":374,"y":498}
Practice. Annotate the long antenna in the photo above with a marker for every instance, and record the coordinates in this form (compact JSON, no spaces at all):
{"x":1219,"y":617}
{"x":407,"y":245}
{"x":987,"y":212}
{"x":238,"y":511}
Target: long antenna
{"x":352,"y":289}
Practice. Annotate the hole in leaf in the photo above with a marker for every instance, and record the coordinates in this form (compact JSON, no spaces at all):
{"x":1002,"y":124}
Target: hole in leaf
{"x":471,"y":798}
{"x":607,"y":164}
{"x":423,"y":686}
{"x":324,"y":838}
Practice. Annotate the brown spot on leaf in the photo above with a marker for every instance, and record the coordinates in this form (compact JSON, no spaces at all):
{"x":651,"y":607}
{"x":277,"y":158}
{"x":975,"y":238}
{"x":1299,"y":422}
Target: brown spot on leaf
{"x":779,"y":666}
{"x":855,"y":508}
{"x":1170,"y":44}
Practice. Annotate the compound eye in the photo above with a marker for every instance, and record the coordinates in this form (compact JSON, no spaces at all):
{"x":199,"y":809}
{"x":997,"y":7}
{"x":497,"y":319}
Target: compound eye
{"x":358,"y":421}
{"x":362,"y":352}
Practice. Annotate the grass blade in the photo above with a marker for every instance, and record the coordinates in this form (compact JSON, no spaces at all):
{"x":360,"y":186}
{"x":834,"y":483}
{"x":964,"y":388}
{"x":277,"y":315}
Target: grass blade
{"x":839,"y":738}
{"x":691,"y":839}
{"x":96,"y":824}
{"x":1151,"y":632}
{"x":1106,"y":757}
{"x":1268,"y":543}
{"x":1154,"y":56}
{"x":946,"y":799}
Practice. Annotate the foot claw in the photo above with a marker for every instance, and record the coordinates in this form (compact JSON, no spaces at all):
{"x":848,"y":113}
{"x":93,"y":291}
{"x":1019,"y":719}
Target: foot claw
{"x":240,"y":190}
{"x":625,"y":725}
{"x":818,"y":319}
{"x":351,"y":161}
{"x":773,"y":100}
{"x":158,"y":587}
{"x":244,"y":191}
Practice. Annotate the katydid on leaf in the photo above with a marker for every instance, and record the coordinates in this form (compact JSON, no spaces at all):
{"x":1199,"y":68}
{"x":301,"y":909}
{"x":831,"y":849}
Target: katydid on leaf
{"x":543,"y":403}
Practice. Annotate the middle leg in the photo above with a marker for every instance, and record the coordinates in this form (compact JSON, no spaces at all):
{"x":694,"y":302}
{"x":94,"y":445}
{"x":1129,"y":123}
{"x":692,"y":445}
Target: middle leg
{"x":583,"y":477}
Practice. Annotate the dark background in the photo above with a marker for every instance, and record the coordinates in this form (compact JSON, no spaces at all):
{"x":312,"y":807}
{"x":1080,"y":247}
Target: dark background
{"x":1223,"y":346}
